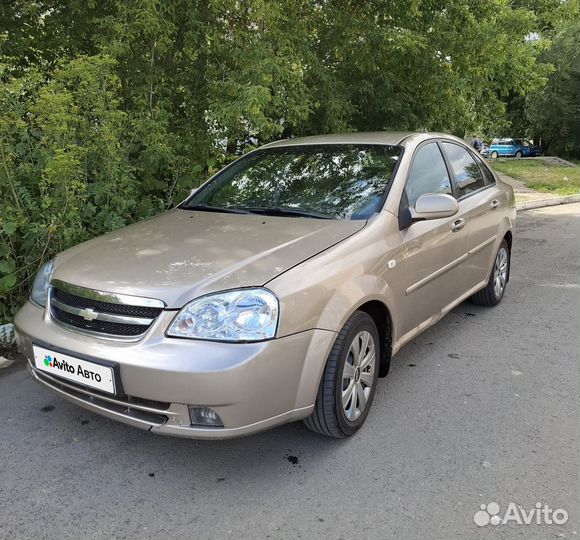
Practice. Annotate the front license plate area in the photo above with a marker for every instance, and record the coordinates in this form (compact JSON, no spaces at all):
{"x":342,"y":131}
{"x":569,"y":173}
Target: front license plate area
{"x":77,"y":370}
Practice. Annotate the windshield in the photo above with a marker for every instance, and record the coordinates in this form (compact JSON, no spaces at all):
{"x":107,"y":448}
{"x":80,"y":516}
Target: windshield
{"x":522,"y":142}
{"x":323,"y":181}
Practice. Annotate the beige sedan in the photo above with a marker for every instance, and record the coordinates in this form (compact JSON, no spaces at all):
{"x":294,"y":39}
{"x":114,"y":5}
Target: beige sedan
{"x":278,"y":291}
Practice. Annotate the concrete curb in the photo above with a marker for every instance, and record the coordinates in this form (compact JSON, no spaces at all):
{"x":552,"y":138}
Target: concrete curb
{"x":554,"y":201}
{"x":553,"y":160}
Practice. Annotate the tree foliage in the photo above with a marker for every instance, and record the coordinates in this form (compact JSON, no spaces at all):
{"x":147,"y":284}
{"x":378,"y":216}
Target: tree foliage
{"x":111,"y":110}
{"x":553,"y":112}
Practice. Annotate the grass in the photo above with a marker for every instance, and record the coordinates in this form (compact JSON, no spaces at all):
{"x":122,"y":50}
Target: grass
{"x":540,"y":175}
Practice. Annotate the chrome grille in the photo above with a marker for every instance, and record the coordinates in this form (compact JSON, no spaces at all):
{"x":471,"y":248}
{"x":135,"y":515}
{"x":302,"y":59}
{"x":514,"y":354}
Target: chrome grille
{"x":98,"y":312}
{"x":105,"y":307}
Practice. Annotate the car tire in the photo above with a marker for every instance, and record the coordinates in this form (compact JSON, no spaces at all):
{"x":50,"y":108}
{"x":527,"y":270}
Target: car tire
{"x":494,"y":291}
{"x":519,"y":154}
{"x":493,"y":155}
{"x":336,"y":411}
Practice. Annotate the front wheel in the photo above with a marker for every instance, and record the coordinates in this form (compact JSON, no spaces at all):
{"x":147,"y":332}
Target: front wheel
{"x":493,"y":155}
{"x":493,"y":292}
{"x":519,"y":154}
{"x":349,"y":380}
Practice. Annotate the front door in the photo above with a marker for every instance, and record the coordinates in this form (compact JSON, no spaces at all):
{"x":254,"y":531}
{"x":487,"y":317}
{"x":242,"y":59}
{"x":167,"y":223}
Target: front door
{"x":434,"y":249}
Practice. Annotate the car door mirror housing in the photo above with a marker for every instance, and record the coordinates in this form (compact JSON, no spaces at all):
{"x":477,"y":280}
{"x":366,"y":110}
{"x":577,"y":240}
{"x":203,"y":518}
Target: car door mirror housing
{"x":434,"y":206}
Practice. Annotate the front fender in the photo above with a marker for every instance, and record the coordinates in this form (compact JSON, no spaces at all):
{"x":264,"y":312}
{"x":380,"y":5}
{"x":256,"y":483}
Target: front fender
{"x":325,"y":290}
{"x":351,"y":296}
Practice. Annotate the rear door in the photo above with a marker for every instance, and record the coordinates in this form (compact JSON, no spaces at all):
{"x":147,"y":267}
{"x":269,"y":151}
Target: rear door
{"x":504,"y":147}
{"x":480,"y":204}
{"x":511,"y":147}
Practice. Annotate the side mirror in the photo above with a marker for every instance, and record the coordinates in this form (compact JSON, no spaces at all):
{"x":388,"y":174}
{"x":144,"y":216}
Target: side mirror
{"x":434,"y":206}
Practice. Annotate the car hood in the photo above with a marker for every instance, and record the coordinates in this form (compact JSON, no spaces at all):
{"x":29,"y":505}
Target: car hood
{"x":183,"y":254}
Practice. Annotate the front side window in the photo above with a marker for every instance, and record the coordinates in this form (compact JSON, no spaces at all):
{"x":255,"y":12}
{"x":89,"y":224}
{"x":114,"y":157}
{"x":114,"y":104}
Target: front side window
{"x":467,"y":173}
{"x":335,"y":181}
{"x":428,"y":174}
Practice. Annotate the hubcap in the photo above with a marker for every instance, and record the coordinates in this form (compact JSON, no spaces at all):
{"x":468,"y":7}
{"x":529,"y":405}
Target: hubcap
{"x":500,"y":272}
{"x":358,"y":375}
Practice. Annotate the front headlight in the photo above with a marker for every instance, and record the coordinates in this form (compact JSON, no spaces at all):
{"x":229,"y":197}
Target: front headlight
{"x":39,"y":292}
{"x":239,"y":315}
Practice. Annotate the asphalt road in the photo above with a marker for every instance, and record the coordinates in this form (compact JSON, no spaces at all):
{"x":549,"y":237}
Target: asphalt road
{"x":481,"y":408}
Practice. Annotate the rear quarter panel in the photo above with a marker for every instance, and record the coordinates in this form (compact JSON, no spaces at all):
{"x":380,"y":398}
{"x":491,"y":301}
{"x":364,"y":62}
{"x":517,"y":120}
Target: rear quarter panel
{"x":507,"y":219}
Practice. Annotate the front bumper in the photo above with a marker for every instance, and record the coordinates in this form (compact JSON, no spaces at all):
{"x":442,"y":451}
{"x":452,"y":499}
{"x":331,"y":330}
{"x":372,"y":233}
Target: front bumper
{"x":252,"y":386}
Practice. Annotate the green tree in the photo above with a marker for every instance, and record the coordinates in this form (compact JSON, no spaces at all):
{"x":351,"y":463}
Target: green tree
{"x":550,"y":113}
{"x":553,"y":112}
{"x":112,"y":110}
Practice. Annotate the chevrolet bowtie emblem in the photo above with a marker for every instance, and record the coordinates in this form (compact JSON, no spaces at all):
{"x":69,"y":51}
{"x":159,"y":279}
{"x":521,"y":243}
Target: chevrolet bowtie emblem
{"x":88,"y":314}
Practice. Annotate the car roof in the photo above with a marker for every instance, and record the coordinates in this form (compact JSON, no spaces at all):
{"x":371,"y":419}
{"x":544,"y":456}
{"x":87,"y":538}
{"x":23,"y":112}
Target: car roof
{"x":393,"y":138}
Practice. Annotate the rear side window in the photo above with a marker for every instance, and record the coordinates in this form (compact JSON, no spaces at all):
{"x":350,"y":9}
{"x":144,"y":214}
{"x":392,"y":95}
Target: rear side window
{"x":468,"y":175}
{"x":428,"y":174}
{"x":488,"y":177}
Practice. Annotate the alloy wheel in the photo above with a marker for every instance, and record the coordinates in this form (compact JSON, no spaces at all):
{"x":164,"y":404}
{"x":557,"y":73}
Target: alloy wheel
{"x":358,"y":375}
{"x":500,"y":272}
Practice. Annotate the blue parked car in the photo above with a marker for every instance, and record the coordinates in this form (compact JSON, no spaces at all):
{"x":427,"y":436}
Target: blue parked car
{"x":513,"y":147}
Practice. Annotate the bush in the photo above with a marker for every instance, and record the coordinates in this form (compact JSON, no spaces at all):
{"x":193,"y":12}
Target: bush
{"x":111,"y":111}
{"x":65,"y":154}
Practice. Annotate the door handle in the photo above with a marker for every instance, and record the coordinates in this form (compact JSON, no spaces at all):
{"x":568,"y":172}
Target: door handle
{"x":494,"y":204}
{"x":457,"y":225}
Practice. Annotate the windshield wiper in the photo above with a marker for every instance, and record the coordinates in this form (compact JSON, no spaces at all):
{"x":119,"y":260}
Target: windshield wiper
{"x":224,"y":209}
{"x":275,"y":211}
{"x":284,"y":211}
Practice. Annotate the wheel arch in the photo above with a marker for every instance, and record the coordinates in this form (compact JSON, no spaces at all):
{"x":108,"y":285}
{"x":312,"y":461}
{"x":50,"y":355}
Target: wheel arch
{"x":508,"y":237}
{"x":336,"y":314}
{"x":381,"y":316}
{"x":506,"y":233}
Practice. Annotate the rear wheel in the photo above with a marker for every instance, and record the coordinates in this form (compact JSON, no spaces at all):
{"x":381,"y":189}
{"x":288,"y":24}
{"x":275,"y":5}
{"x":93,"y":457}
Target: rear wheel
{"x":349,"y":381}
{"x":493,"y":292}
{"x":493,"y":155}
